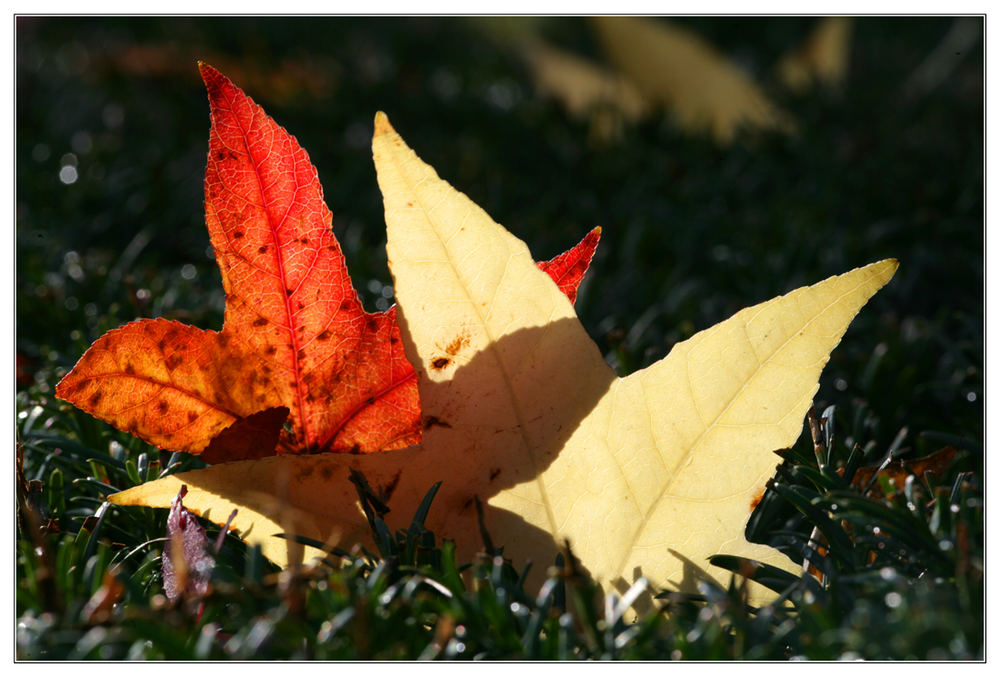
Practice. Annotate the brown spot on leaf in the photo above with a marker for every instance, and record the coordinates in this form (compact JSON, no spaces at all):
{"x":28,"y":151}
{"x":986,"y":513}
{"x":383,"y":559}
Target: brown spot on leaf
{"x":326,"y":471}
{"x":262,"y":249}
{"x":271,"y":349}
{"x":238,"y":234}
{"x":304,"y":240}
{"x":95,"y":398}
{"x":192,"y":416}
{"x":162,"y":406}
{"x":324,"y":335}
{"x":440,"y":363}
{"x":755,"y":501}
{"x":288,"y":292}
{"x":457,"y":344}
{"x":259,"y":322}
{"x":494,"y":472}
{"x":129,"y":369}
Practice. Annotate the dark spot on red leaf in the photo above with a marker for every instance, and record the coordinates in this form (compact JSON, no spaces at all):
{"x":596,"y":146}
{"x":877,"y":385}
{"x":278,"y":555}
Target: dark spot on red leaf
{"x":262,"y":249}
{"x":95,"y":398}
{"x":173,"y":361}
{"x":391,"y":487}
{"x":271,"y":349}
{"x":432,"y":421}
{"x":324,"y":335}
{"x":129,"y":369}
{"x":259,"y":322}
{"x":304,"y":240}
{"x":238,"y":234}
{"x":162,"y":406}
{"x":192,"y":416}
{"x":288,"y":292}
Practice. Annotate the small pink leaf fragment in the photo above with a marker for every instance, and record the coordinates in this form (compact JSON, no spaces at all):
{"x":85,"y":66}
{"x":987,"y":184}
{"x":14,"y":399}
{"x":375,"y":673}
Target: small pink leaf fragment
{"x":187,"y":563}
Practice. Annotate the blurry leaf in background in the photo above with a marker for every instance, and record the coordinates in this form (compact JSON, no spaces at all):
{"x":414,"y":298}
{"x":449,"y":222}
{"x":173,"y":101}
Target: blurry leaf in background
{"x":822,"y":59}
{"x":886,"y":481}
{"x":676,"y":69}
{"x":290,"y":77}
{"x":587,"y":90}
{"x":957,"y":43}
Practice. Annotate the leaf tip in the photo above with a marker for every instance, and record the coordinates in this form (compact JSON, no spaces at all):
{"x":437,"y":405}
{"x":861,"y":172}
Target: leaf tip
{"x":382,"y":125}
{"x":887,"y":268}
{"x":209,"y":74}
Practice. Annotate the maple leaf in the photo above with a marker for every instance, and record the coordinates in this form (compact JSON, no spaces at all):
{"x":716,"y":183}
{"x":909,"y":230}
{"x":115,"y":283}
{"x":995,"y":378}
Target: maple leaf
{"x":647,"y":475}
{"x":296,"y":342}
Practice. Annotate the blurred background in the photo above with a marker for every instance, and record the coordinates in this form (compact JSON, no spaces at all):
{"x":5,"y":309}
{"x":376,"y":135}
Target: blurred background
{"x":728,"y":160}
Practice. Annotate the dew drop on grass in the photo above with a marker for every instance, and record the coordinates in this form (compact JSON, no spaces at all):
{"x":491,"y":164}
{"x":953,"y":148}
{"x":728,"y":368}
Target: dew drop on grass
{"x":82,"y":142}
{"x":113,"y":116}
{"x":41,"y":152}
{"x":68,"y":174}
{"x":189,"y":272}
{"x":893,"y":600}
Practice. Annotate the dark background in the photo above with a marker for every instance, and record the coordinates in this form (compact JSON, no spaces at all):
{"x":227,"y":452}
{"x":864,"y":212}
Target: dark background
{"x":112,"y":126}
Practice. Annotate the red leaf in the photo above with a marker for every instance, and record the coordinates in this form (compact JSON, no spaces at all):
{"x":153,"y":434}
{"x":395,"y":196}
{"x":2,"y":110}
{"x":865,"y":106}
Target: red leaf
{"x":568,"y":269}
{"x":296,"y":341}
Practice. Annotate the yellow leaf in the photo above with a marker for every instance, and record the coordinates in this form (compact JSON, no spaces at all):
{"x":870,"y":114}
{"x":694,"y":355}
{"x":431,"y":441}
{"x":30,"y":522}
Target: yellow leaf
{"x":822,"y":58}
{"x":580,"y":85}
{"x":675,"y":68}
{"x":644,"y":475}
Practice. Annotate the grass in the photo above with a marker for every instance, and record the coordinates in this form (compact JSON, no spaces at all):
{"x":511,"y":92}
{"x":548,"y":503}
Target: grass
{"x":692,"y":232}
